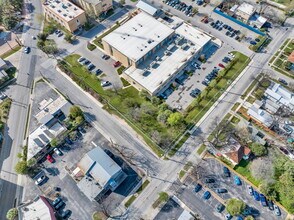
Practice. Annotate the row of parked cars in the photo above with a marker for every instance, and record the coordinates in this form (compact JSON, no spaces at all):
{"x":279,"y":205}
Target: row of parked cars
{"x":181,"y":6}
{"x":58,"y":204}
{"x":231,"y":32}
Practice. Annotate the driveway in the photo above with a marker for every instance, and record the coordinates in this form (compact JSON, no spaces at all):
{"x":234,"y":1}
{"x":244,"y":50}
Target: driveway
{"x":170,"y":210}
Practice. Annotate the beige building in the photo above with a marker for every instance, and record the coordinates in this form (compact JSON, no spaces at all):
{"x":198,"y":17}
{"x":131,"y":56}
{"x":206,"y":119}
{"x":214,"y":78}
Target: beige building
{"x":245,"y":11}
{"x":154,"y":53}
{"x":95,"y":7}
{"x":65,"y":13}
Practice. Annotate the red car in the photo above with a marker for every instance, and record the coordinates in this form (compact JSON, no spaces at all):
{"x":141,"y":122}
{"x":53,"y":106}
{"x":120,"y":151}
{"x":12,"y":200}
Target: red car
{"x":117,"y":64}
{"x":50,"y":158}
{"x":221,"y":65}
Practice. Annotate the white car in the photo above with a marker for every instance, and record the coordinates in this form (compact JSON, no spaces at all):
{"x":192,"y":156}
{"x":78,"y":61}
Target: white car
{"x":231,"y":55}
{"x":57,"y":151}
{"x":105,"y":83}
{"x":40,"y":180}
{"x":289,"y":122}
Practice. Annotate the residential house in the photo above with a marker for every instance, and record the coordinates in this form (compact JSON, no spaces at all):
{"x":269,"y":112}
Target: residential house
{"x":245,"y":11}
{"x":149,"y":9}
{"x":235,"y":152}
{"x":257,"y":113}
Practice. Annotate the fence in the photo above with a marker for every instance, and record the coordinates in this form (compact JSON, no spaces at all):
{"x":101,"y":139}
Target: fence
{"x":218,"y":11}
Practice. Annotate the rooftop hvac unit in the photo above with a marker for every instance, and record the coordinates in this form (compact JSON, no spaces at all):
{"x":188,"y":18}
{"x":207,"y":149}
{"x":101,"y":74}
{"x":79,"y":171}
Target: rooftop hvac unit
{"x":153,"y":64}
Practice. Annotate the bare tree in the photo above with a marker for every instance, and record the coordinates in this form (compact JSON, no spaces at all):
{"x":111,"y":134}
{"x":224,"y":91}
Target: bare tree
{"x":126,"y":153}
{"x":263,"y":169}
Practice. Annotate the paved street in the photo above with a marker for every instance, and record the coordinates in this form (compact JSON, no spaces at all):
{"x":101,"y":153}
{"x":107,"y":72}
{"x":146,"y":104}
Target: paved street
{"x":10,"y":184}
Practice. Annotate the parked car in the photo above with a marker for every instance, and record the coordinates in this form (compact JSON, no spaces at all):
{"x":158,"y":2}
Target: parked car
{"x":250,"y":190}
{"x":209,"y":180}
{"x":284,"y":150}
{"x":66,"y":214}
{"x":50,"y":158}
{"x":283,"y":81}
{"x":105,"y":83}
{"x":228,"y":216}
{"x":220,"y":207}
{"x":105,"y":57}
{"x":81,"y":59}
{"x":252,"y":42}
{"x":59,"y":205}
{"x":221,"y":190}
{"x":34,"y":37}
{"x":40,"y":180}
{"x":57,"y":31}
{"x":198,"y":187}
{"x":116,"y":64}
{"x":60,"y":34}
{"x":86,"y":62}
{"x":206,"y":195}
{"x":239,"y":217}
{"x":91,"y":66}
{"x":288,"y":129}
{"x":57,"y":151}
{"x":221,"y":65}
{"x":237,"y":181}
{"x":277,"y":210}
{"x":256,"y":195}
{"x":27,"y":50}
{"x":263,"y":200}
{"x":98,"y":71}
{"x":56,"y":201}
{"x":231,"y":55}
{"x":3,"y":96}
{"x":270,"y":205}
{"x":227,"y":172}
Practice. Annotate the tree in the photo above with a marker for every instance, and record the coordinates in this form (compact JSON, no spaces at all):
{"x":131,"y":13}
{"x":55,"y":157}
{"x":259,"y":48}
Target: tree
{"x":21,"y":167}
{"x":54,"y":142}
{"x":12,"y":214}
{"x":163,"y":116}
{"x":263,"y":169}
{"x":75,"y":111}
{"x":31,"y":162}
{"x":235,"y":206}
{"x":79,"y":120}
{"x":122,"y":2}
{"x":155,"y":100}
{"x":269,"y":190}
{"x":144,"y":94}
{"x":249,"y":217}
{"x":258,"y":149}
{"x":69,"y":38}
{"x":175,"y":119}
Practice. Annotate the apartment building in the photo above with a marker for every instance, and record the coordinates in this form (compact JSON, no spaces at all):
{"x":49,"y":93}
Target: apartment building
{"x":95,"y":7}
{"x":65,"y":13}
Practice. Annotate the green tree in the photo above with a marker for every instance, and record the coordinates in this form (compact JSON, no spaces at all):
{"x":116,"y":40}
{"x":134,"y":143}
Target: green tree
{"x":54,"y":142}
{"x":144,"y":94}
{"x":12,"y":214}
{"x":79,"y":120}
{"x":258,"y":149}
{"x":42,"y":36}
{"x":155,"y":100}
{"x":235,"y":206}
{"x":21,"y":167}
{"x":75,"y":111}
{"x":268,"y":190}
{"x":249,"y":217}
{"x":163,"y":116}
{"x":31,"y":162}
{"x":69,"y":38}
{"x":122,"y":2}
{"x":175,"y":119}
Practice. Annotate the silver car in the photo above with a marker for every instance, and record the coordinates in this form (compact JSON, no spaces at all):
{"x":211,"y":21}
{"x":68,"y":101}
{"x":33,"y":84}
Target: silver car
{"x":40,"y":180}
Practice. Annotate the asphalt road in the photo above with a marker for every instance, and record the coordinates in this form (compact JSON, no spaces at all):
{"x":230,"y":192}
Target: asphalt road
{"x":10,"y":184}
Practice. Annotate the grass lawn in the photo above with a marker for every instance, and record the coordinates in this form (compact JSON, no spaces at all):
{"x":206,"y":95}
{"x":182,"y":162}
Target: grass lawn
{"x":235,"y":120}
{"x":163,"y":197}
{"x":7,"y":54}
{"x":181,"y":174}
{"x":236,"y":105}
{"x":248,"y":90}
{"x":120,"y":70}
{"x":125,"y":82}
{"x":201,"y":149}
{"x":133,"y":197}
{"x":243,"y":168}
{"x":251,"y":99}
{"x":178,"y":145}
{"x":91,"y":47}
{"x":197,"y":110}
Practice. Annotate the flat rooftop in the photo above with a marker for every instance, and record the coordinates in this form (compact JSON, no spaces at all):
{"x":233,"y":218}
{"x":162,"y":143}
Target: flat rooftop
{"x":165,"y":67}
{"x":246,"y":8}
{"x":197,"y":37}
{"x":138,"y":36}
{"x":64,"y":9}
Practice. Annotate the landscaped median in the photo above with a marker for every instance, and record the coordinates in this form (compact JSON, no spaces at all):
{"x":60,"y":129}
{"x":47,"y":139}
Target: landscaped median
{"x":138,"y":192}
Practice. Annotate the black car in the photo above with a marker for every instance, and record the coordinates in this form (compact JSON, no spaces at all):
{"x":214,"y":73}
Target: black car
{"x":225,"y":26}
{"x":209,"y":180}
{"x":56,"y":201}
{"x":228,"y":33}
{"x":283,"y":81}
{"x":204,"y":83}
{"x":226,"y":172}
{"x":59,"y":205}
{"x":270,"y":205}
{"x":212,"y":23}
{"x":220,"y":207}
{"x":98,"y":71}
{"x":66,"y":214}
{"x":221,"y":190}
{"x":198,"y":187}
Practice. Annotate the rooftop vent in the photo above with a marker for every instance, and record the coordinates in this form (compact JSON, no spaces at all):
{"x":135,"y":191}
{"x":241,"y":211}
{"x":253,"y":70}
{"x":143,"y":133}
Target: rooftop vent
{"x":149,"y":41}
{"x":64,"y":15}
{"x":59,"y":11}
{"x":140,"y":25}
{"x":135,"y":29}
{"x":75,"y":9}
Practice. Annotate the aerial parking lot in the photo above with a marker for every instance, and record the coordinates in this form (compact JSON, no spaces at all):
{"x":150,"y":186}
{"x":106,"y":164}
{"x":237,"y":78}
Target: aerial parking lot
{"x":211,"y":168}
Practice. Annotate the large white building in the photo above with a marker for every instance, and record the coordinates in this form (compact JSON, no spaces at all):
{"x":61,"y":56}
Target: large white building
{"x":154,"y":52}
